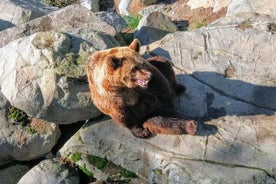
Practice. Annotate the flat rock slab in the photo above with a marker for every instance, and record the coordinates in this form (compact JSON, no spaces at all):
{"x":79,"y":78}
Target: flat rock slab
{"x":241,"y":150}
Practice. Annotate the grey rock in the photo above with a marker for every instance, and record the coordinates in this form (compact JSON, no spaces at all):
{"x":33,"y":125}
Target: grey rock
{"x":123,"y":7}
{"x":212,"y":56}
{"x":229,"y":74}
{"x":44,"y":74}
{"x":153,"y":27}
{"x":50,"y":172}
{"x":236,"y":153}
{"x":215,"y":4}
{"x":152,"y":8}
{"x":92,"y":5}
{"x":19,"y":143}
{"x":66,"y":19}
{"x":12,"y":174}
{"x":15,"y":12}
{"x":113,"y":19}
{"x":237,"y":6}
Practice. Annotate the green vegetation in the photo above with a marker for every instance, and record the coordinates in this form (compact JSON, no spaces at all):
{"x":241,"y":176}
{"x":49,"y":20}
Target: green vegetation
{"x":200,"y":25}
{"x":31,"y":130}
{"x":75,"y":156}
{"x":128,"y":174}
{"x":98,"y":162}
{"x":60,"y":3}
{"x":158,"y":171}
{"x":18,"y":116}
{"x":132,"y":21}
{"x":80,"y":139}
{"x":85,"y":170}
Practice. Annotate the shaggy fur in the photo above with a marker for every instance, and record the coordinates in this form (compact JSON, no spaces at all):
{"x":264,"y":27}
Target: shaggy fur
{"x":136,"y":93}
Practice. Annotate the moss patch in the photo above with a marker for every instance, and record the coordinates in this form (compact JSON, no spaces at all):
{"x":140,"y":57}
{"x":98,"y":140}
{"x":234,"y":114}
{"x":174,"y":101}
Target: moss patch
{"x":98,"y":162}
{"x":75,"y":156}
{"x":17,"y":116}
{"x":73,"y":65}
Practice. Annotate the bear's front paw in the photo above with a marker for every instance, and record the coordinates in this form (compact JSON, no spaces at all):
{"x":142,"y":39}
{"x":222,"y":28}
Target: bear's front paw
{"x":140,"y":132}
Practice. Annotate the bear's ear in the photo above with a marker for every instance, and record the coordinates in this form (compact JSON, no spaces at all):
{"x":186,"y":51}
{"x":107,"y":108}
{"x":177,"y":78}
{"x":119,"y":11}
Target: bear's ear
{"x":135,"y":45}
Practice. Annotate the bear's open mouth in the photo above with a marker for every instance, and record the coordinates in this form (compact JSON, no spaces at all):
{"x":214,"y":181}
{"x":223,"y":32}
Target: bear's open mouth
{"x":141,"y":82}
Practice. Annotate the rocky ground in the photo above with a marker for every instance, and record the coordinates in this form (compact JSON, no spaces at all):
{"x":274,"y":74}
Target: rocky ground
{"x":222,"y":51}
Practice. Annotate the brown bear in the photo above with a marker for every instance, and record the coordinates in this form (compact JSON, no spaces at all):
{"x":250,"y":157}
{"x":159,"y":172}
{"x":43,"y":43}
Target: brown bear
{"x":135,"y":92}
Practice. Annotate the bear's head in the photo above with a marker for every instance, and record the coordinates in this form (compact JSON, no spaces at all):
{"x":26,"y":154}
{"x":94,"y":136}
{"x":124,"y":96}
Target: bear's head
{"x":119,"y":68}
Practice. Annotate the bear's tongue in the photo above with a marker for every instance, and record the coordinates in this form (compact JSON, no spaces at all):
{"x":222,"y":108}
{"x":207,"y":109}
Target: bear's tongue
{"x":142,"y":83}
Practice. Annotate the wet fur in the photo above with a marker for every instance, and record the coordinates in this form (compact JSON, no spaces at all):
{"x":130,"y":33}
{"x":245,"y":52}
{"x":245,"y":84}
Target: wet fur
{"x":136,"y":93}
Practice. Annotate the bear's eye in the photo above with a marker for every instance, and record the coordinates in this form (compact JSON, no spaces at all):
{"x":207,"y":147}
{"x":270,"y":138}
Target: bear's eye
{"x":117,"y":62}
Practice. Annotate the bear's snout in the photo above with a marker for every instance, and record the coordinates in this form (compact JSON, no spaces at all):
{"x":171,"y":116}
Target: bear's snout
{"x":142,"y":78}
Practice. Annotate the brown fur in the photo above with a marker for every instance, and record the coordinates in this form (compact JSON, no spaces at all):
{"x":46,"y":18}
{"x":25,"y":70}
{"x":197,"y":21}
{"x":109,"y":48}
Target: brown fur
{"x":136,"y":93}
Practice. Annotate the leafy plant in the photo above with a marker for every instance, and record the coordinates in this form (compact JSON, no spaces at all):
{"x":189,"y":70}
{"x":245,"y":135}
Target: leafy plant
{"x":18,"y":116}
{"x":133,"y":21}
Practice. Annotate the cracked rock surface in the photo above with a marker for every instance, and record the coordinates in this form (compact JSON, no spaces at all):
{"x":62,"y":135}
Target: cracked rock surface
{"x":229,"y":72}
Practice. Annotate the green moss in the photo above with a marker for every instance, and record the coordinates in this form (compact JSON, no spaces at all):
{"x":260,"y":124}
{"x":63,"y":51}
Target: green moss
{"x":31,"y":130}
{"x":85,"y":170}
{"x":17,"y":116}
{"x":43,"y":40}
{"x":158,"y":171}
{"x":200,"y":24}
{"x":73,"y":65}
{"x":75,"y":156}
{"x":127,"y":174}
{"x":98,"y":162}
{"x":80,"y":139}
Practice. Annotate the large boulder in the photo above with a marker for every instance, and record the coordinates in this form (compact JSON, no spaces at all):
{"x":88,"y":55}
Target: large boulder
{"x":66,"y":19}
{"x":24,"y":142}
{"x":92,"y":5}
{"x":13,"y":173}
{"x":51,"y":171}
{"x":242,"y":6}
{"x":113,"y":19}
{"x":153,"y":27}
{"x":230,"y":78}
{"x":44,"y":74}
{"x":15,"y":12}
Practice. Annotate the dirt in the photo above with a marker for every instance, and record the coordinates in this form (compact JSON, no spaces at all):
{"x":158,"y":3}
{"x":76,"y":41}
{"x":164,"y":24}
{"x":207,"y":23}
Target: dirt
{"x":180,"y":12}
